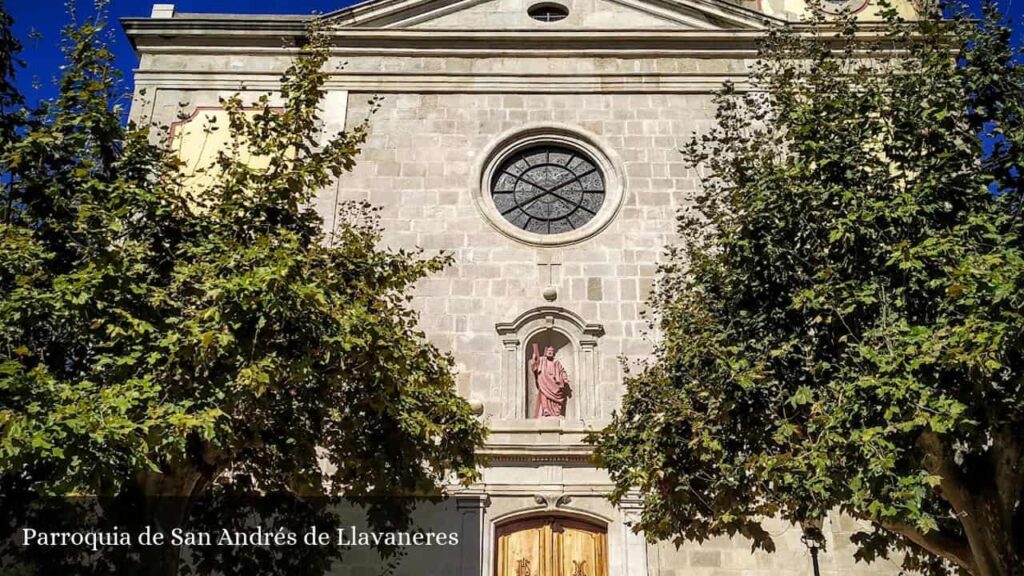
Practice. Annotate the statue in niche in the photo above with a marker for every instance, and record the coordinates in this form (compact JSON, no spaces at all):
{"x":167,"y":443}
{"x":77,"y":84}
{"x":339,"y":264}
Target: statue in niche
{"x":552,"y":383}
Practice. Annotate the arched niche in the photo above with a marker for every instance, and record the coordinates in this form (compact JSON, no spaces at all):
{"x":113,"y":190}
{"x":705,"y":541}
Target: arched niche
{"x":576,"y":344}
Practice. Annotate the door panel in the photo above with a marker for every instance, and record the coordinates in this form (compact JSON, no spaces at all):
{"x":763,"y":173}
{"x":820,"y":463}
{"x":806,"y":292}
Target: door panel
{"x":524,"y":549}
{"x":580,"y":548}
{"x":551,"y":546}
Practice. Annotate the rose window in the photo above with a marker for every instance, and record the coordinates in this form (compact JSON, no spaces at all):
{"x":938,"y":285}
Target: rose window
{"x":548,"y":189}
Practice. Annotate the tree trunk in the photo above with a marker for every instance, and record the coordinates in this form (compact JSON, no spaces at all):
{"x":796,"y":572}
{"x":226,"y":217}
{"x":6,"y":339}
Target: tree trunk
{"x":988,"y":507}
{"x":991,"y":539}
{"x":167,"y":499}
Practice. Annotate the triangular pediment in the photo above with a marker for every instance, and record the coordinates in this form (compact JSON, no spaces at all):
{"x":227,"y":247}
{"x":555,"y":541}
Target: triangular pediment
{"x":582,"y":15}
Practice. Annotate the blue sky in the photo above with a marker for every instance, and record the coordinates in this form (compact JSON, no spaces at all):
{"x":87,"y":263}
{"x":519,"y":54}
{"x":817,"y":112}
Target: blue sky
{"x":44,"y":19}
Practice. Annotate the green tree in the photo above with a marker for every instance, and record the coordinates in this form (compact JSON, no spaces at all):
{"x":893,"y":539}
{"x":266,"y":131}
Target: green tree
{"x":10,"y":99}
{"x":154,"y":339}
{"x":842,"y":320}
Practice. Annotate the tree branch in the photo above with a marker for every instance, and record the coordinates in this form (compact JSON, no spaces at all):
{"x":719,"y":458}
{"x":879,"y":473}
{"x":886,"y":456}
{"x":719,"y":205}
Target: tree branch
{"x":973,"y":505}
{"x":954,"y":549}
{"x":937,"y":462}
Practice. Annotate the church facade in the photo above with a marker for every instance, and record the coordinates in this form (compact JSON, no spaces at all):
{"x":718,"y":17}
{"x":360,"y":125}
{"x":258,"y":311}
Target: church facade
{"x":537,"y":141}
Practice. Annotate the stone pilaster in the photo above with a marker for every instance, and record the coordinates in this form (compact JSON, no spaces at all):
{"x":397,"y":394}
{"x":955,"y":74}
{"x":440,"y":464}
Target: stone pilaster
{"x":635,"y":562}
{"x":471,"y":508}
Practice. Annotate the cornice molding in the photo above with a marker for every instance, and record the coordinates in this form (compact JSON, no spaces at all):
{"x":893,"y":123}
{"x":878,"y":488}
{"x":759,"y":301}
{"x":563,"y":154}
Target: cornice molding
{"x":243,"y":34}
{"x":546,"y":453}
{"x":255,"y":36}
{"x":446,"y":83}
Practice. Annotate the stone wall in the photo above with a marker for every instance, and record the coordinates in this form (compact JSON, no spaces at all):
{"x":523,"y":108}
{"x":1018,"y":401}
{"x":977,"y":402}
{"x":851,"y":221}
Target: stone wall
{"x":420,"y":164}
{"x":439,"y":115}
{"x":724,"y":556}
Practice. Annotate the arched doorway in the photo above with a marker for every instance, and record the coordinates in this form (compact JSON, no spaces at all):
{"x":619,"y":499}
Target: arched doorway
{"x":551,"y":546}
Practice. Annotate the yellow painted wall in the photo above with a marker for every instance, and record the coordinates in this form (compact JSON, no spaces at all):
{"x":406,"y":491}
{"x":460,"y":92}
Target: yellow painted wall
{"x":866,"y":10}
{"x":196,"y":142}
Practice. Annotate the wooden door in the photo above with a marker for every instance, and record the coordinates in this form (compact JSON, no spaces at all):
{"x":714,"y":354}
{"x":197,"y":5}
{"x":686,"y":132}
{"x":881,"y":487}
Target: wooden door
{"x":524,"y":548}
{"x":579,"y":548}
{"x":551,"y":546}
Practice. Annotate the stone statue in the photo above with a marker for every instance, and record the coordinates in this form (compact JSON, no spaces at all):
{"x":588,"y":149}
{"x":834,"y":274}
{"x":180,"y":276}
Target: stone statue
{"x":552,"y":383}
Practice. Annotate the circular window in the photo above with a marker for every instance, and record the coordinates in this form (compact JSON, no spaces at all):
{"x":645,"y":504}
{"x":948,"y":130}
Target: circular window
{"x":548,"y":185}
{"x":548,"y":189}
{"x":548,"y":12}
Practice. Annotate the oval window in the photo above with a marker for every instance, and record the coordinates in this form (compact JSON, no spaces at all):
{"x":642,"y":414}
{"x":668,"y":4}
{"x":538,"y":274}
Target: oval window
{"x":548,"y":12}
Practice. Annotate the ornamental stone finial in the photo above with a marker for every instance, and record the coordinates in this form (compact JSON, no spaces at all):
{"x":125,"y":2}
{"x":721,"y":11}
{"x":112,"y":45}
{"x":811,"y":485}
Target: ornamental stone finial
{"x":550,"y":293}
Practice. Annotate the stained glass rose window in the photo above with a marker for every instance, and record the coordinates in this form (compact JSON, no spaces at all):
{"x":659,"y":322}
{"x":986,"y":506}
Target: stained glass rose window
{"x":548,"y":189}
